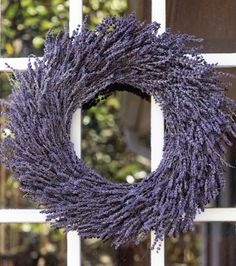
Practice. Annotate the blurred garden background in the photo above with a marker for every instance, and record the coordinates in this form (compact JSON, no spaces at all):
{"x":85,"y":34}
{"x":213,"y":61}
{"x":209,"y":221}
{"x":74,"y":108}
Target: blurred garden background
{"x":115,"y":141}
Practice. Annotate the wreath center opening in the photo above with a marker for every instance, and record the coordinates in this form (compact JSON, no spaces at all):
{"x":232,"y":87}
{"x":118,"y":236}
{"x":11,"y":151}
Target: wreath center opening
{"x":115,"y":134}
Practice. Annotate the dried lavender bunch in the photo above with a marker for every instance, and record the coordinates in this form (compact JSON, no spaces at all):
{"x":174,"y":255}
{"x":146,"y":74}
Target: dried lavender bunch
{"x":120,"y":54}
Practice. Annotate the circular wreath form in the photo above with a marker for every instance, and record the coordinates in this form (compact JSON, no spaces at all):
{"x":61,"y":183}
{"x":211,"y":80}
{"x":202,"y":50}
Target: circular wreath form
{"x":120,"y":54}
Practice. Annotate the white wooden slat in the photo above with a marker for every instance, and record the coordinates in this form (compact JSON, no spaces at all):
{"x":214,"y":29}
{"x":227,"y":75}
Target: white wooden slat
{"x":217,"y":215}
{"x":19,"y":63}
{"x":157,"y":142}
{"x":75,"y":133}
{"x":157,"y":126}
{"x":158,"y":13}
{"x":35,"y":216}
{"x":73,"y":239}
{"x":224,"y":60}
{"x":21,"y":216}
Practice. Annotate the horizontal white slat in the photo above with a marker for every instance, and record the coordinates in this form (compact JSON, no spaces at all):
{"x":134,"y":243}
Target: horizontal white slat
{"x":223,"y":60}
{"x":19,"y":63}
{"x":21,"y":216}
{"x":217,"y":215}
{"x":34,"y":215}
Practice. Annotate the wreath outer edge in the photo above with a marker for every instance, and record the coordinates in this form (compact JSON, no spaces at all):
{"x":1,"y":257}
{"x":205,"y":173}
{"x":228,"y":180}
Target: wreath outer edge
{"x":73,"y":73}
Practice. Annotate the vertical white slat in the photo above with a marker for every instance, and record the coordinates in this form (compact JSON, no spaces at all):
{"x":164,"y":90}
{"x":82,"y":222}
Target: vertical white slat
{"x":73,"y":239}
{"x":157,"y":125}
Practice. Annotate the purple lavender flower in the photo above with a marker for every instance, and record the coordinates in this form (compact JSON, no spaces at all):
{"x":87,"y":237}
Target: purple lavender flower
{"x":120,"y":54}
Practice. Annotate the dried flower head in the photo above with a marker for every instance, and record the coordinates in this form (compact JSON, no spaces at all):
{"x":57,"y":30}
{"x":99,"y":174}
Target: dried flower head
{"x":120,"y":54}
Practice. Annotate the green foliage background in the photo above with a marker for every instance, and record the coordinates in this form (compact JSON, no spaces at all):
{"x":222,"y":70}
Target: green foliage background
{"x":25,"y":22}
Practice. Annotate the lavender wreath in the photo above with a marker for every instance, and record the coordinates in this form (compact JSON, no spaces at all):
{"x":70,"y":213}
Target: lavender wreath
{"x":120,"y":54}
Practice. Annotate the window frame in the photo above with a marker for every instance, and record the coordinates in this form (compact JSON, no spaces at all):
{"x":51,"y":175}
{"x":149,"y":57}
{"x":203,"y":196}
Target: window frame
{"x":225,"y":60}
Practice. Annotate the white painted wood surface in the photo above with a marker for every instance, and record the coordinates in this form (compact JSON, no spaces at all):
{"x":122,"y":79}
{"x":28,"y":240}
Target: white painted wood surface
{"x":34,"y":215}
{"x":21,"y":216}
{"x":157,"y":126}
{"x":74,"y":257}
{"x":224,"y":60}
